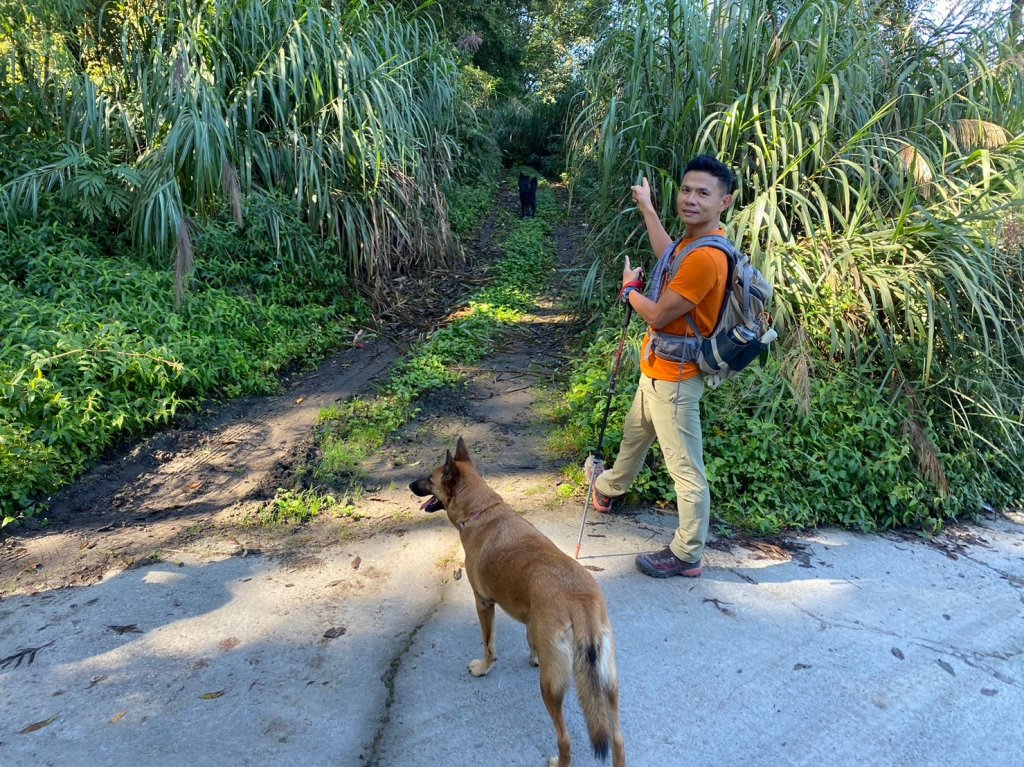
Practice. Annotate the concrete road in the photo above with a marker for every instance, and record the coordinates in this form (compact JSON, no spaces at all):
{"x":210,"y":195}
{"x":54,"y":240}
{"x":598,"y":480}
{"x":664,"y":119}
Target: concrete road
{"x":841,"y":649}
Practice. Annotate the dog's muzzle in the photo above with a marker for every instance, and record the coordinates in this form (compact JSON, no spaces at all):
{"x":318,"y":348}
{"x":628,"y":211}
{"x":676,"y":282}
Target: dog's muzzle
{"x":421,"y":487}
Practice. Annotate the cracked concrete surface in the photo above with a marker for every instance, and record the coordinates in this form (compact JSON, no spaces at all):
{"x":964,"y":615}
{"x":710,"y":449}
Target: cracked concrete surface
{"x":836,"y":649}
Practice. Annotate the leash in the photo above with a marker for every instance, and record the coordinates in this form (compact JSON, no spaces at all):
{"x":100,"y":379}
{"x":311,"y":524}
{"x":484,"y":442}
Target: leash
{"x":595,"y":462}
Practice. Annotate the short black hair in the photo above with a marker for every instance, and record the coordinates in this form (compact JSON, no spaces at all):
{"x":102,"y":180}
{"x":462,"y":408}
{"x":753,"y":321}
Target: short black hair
{"x":712,"y":165}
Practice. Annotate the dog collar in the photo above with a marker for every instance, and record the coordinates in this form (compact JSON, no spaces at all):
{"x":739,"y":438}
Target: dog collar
{"x":463,"y":523}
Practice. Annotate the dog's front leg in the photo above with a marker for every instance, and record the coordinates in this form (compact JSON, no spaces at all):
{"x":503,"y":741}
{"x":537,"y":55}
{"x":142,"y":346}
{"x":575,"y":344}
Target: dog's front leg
{"x":485,"y":612}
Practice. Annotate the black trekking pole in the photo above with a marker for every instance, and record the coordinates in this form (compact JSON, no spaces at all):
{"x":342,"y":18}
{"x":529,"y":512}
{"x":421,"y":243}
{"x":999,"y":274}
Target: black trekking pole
{"x":594,"y":462}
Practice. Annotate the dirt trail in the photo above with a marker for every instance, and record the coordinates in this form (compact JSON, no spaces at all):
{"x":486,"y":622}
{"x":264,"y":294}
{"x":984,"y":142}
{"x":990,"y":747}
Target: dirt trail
{"x":185,"y":493}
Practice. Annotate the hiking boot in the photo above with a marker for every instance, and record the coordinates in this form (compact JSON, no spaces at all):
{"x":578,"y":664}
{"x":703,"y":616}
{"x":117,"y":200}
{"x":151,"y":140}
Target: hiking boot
{"x":664,"y":564}
{"x":601,"y":502}
{"x":593,"y":468}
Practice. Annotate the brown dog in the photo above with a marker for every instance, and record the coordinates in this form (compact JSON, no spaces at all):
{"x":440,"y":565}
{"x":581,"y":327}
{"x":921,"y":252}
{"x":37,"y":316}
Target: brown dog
{"x":511,"y":563}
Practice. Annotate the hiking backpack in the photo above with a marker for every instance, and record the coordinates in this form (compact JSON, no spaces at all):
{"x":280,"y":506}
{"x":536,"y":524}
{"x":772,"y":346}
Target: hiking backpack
{"x":743,"y":329}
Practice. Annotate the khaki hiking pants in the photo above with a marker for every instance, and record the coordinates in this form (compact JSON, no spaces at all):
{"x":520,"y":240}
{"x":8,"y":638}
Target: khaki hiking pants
{"x":669,"y":412}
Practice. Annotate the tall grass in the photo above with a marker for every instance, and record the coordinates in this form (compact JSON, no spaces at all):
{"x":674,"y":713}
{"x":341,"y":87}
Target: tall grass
{"x":343,"y":105}
{"x":880,"y":158}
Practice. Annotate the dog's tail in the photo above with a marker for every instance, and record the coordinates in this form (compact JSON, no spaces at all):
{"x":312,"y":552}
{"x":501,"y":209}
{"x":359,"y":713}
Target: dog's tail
{"x":597,"y":685}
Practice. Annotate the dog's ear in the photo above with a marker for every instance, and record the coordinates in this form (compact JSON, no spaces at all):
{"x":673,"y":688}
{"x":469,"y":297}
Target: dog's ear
{"x":461,"y":452}
{"x":451,"y":470}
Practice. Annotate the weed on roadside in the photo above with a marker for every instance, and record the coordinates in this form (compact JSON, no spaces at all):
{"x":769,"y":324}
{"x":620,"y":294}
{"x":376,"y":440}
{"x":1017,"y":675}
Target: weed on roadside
{"x":296,"y":507}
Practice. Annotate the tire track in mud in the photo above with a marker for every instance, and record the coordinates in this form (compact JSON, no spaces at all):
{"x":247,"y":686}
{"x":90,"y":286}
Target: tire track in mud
{"x":127,"y":508}
{"x":234,"y":463}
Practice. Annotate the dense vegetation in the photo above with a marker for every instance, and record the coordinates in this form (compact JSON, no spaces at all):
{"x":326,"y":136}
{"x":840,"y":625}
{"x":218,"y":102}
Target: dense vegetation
{"x":881,"y":182}
{"x":191,"y":191}
{"x":194,"y":197}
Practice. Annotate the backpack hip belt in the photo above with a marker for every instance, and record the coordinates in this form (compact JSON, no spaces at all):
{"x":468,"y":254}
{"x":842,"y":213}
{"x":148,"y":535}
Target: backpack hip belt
{"x":672,"y":347}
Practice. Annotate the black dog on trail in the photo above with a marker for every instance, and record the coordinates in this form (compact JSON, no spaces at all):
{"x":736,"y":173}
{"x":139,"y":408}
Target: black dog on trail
{"x":527,"y":196}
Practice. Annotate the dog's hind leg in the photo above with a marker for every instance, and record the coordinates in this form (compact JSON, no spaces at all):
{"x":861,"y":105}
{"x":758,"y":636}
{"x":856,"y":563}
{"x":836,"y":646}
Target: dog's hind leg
{"x":534,"y":660}
{"x":555,"y":668}
{"x":485,"y":612}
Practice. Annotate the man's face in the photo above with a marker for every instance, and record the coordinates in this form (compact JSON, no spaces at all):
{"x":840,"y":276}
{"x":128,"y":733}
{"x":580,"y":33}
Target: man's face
{"x":701,"y":199}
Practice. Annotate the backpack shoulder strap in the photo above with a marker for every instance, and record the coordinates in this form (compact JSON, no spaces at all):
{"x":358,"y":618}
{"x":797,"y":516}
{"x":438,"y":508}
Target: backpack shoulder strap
{"x":707,"y":241}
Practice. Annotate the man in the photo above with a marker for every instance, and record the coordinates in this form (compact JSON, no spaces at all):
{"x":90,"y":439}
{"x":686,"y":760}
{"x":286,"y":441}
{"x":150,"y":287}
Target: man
{"x":667,"y":402}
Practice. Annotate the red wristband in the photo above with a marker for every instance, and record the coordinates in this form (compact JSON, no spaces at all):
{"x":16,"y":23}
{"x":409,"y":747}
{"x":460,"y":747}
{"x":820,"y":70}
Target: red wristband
{"x":637,"y":284}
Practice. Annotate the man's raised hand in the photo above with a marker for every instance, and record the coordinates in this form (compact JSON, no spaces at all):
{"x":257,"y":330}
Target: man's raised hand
{"x":642,"y":195}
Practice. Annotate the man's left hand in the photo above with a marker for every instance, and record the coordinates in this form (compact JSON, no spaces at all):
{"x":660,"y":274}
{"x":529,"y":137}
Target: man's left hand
{"x":632,"y":279}
{"x":629,"y":274}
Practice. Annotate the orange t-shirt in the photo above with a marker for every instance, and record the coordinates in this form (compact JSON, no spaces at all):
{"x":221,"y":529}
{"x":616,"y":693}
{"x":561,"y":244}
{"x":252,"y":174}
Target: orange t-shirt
{"x":701,"y":281}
